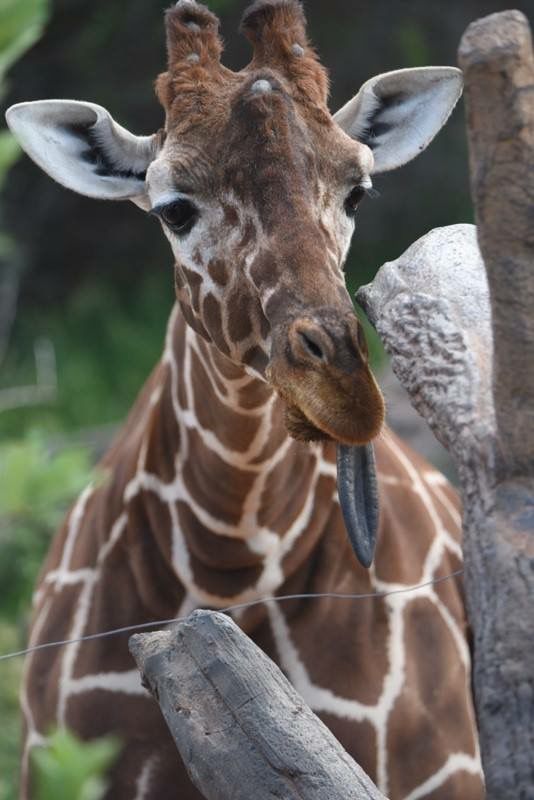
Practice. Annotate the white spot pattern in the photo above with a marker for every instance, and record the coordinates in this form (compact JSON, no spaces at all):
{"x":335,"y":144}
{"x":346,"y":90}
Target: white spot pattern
{"x":324,"y":700}
{"x":144,"y":779}
{"x":273,"y":548}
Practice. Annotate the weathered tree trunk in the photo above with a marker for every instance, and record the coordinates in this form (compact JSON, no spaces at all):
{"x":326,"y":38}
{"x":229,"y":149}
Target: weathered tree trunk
{"x":496,"y":56}
{"x":463,"y":346}
{"x":242,"y":730}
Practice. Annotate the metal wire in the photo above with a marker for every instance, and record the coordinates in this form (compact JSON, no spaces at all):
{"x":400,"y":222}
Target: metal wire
{"x":229,"y":609}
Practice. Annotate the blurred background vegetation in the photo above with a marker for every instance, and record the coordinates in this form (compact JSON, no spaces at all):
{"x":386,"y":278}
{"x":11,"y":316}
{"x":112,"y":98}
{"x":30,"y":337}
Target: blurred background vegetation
{"x":86,"y":287}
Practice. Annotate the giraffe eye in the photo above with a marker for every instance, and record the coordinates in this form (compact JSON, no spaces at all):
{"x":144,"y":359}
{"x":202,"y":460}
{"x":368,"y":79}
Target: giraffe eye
{"x":353,"y":200}
{"x":180,"y":215}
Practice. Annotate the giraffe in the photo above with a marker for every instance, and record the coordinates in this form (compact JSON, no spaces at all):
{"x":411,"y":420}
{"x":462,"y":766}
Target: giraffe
{"x":221,"y":486}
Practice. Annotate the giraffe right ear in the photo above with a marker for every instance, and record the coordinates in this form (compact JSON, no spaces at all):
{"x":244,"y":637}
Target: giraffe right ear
{"x":397,"y":114}
{"x":82,"y":147}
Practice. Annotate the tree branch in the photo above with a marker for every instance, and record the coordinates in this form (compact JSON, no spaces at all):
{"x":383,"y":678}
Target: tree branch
{"x":241,"y":728}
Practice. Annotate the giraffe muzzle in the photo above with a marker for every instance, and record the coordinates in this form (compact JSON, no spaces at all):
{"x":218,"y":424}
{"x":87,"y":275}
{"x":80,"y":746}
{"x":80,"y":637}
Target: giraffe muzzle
{"x":319,"y":366}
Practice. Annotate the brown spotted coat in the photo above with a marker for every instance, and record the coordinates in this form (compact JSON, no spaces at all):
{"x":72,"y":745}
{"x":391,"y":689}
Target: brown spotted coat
{"x":209,"y":501}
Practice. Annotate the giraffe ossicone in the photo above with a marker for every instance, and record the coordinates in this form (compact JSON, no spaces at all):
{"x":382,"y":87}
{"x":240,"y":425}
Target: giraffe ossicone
{"x":221,"y":487}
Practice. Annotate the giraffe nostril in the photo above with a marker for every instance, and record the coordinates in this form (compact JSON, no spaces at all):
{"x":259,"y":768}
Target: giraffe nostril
{"x":311,"y":343}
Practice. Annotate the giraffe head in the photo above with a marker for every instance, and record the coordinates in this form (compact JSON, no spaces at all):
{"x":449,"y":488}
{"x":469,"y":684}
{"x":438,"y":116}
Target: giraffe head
{"x":256,"y":185}
{"x":247,"y":185}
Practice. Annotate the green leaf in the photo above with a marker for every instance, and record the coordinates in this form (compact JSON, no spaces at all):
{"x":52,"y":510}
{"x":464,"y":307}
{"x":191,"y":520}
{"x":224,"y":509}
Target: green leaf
{"x":69,"y":769}
{"x":10,"y":674}
{"x":21,"y":25}
{"x":37,"y":484}
{"x":412,"y":43}
{"x":36,"y":488}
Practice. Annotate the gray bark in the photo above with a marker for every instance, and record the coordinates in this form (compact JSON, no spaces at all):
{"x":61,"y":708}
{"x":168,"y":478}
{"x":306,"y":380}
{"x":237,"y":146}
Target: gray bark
{"x":496,"y":56}
{"x":461,"y":337}
{"x":242,"y":730}
{"x":432,"y":310}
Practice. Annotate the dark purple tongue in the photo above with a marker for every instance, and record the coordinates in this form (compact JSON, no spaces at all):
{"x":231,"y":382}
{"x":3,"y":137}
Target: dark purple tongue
{"x":358,"y":495}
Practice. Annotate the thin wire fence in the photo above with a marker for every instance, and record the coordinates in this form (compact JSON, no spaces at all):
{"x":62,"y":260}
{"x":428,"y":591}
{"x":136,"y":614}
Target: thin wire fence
{"x":230,"y":609}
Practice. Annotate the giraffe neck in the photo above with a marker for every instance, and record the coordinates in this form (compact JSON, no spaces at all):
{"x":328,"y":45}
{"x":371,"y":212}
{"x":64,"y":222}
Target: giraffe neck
{"x":216,"y":438}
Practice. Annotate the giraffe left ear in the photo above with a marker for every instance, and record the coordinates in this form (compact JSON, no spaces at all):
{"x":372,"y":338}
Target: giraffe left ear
{"x":397,"y":114}
{"x":82,"y":147}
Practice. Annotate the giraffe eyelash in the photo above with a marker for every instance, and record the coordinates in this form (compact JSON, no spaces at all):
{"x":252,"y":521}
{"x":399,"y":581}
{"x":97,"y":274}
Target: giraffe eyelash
{"x":179,"y":215}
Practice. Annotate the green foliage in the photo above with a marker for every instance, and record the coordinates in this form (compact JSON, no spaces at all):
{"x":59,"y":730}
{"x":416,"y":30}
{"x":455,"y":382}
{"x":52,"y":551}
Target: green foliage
{"x":7,"y":246}
{"x":35,"y":490}
{"x":10,"y":672}
{"x":23,"y":533}
{"x":68,"y":769}
{"x":35,"y":485}
{"x":21,"y":25}
{"x":106,"y":345}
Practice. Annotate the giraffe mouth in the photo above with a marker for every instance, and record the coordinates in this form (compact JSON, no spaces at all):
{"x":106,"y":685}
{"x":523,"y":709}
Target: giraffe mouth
{"x":331,"y":397}
{"x":356,"y":483}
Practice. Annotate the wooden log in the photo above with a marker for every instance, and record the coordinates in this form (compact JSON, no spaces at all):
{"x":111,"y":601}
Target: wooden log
{"x":242,"y":730}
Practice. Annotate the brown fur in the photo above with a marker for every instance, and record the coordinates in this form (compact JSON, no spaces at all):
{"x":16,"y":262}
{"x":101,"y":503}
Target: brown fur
{"x":337,"y":396}
{"x":208,"y":499}
{"x":343,"y":644}
{"x":274,"y":27}
{"x":194,"y":75}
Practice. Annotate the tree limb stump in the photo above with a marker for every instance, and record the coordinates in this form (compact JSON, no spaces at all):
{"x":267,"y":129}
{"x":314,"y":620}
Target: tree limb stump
{"x":242,"y":730}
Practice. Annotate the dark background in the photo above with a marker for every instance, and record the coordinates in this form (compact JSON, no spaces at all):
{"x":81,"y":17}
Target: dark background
{"x":96,"y":276}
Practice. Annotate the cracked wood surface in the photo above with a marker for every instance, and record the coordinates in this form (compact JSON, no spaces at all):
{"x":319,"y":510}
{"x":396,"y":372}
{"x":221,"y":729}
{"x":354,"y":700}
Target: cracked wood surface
{"x":240,"y":727}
